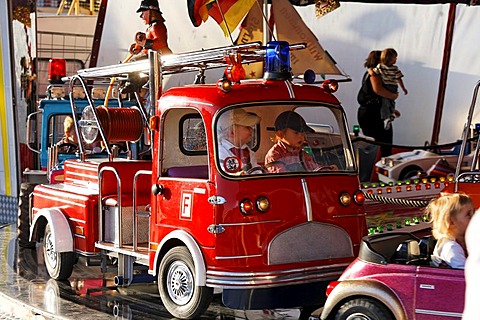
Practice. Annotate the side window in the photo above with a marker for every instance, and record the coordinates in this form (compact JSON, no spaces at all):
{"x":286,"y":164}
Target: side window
{"x":55,"y":129}
{"x":192,"y":135}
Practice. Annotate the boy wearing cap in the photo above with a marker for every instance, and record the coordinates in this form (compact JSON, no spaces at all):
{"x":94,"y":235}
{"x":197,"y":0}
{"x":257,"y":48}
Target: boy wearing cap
{"x":155,"y":37}
{"x":235,"y":130}
{"x":287,"y":155}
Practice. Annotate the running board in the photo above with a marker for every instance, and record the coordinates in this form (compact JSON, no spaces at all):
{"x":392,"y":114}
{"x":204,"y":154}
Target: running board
{"x":140,"y":258}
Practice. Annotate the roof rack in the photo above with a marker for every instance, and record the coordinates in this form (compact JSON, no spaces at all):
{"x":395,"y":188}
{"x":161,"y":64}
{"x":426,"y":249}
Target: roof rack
{"x":179,"y":63}
{"x":185,"y":62}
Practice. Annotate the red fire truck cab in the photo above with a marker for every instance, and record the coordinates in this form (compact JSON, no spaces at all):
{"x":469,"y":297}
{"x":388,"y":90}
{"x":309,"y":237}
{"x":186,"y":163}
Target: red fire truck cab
{"x":200,"y":219}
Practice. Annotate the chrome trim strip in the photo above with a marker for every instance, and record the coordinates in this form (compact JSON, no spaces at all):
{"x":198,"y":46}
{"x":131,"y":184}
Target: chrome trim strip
{"x":248,"y":223}
{"x":238,"y":257}
{"x":289,"y":85}
{"x":277,"y":272}
{"x":438,"y":313}
{"x":427,"y":286}
{"x":308,"y":201}
{"x":78,"y":220}
{"x":229,"y":280}
{"x":349,"y":215}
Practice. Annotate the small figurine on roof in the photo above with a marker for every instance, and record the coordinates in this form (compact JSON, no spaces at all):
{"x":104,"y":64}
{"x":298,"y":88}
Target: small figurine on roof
{"x":155,"y":37}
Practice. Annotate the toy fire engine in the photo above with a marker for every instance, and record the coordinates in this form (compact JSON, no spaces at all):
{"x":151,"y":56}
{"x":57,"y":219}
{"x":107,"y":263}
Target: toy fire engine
{"x":197,"y":220}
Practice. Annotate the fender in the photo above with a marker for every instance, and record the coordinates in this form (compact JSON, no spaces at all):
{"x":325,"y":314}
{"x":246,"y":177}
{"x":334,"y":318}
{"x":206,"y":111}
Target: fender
{"x":191,"y":244}
{"x":373,"y":289}
{"x":61,"y":232}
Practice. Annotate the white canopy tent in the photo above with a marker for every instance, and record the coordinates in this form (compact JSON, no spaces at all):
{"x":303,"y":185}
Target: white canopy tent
{"x":349,"y":33}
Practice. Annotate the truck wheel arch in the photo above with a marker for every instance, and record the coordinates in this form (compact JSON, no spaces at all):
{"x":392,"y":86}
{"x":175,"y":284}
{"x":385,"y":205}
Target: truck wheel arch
{"x":371,"y":289}
{"x":58,"y":221}
{"x":180,"y":237}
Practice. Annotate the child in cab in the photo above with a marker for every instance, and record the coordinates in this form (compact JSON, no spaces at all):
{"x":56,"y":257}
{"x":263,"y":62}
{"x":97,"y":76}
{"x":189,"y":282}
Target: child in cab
{"x":287,"y":155}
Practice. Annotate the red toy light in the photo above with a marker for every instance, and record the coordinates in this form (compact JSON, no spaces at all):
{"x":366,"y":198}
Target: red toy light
{"x":57,"y":69}
{"x":359,"y":197}
{"x":330,"y":85}
{"x":246,"y":206}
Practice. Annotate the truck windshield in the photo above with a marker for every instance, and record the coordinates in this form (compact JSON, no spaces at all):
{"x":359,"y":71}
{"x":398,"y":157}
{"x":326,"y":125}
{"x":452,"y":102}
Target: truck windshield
{"x":282,"y":139}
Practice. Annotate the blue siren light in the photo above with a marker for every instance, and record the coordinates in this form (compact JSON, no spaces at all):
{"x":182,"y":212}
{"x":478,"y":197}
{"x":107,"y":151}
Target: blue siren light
{"x":277,"y":64}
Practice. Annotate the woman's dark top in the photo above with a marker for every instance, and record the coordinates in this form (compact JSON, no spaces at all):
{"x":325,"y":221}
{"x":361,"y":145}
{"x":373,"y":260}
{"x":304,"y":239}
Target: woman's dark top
{"x":369,"y":117}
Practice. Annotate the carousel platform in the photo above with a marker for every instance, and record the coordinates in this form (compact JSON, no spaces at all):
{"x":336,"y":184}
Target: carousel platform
{"x":26,"y":292}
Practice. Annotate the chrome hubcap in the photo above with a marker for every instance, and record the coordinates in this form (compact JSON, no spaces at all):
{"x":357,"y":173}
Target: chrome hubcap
{"x":50,"y":255}
{"x":180,"y":283}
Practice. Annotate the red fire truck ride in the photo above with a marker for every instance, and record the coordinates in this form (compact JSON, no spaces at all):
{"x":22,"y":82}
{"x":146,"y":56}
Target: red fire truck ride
{"x":197,"y":220}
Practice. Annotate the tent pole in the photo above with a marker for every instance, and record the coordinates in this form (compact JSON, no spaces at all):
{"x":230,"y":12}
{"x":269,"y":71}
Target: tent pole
{"x":102,"y":11}
{"x":443,"y":74}
{"x":266,"y":29}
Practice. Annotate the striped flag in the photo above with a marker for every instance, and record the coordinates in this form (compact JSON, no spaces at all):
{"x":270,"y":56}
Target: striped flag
{"x":228,"y":16}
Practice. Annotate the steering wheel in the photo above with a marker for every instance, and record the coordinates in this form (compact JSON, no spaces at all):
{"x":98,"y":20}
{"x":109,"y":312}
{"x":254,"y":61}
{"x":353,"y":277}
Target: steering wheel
{"x":67,"y":147}
{"x":256,"y":170}
{"x":274,"y":163}
{"x":326,"y":168}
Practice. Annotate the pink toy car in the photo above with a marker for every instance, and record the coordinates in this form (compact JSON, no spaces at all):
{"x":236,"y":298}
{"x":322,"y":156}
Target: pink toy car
{"x":392,"y":279}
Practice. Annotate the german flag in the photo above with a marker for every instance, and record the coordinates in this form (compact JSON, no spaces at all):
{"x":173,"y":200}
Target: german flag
{"x":228,"y":16}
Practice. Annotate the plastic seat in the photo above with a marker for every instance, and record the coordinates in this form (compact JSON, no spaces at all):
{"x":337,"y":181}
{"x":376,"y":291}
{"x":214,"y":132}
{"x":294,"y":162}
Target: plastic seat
{"x":407,"y":251}
{"x":427,"y":244}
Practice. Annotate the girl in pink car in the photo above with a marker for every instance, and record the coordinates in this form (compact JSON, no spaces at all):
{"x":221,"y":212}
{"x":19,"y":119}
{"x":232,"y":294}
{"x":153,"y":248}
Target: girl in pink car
{"x":450,"y":215}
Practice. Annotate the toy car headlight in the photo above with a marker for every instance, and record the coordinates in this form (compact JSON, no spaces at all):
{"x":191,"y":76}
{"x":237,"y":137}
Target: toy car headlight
{"x":391,"y":163}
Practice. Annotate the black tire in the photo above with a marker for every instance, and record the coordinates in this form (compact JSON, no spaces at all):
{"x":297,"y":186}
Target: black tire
{"x":59,"y":264}
{"x":178,"y":287}
{"x":24,"y":215}
{"x":363,"y":309}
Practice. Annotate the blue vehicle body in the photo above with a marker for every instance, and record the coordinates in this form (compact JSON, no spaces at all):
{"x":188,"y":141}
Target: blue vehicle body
{"x":53,"y":112}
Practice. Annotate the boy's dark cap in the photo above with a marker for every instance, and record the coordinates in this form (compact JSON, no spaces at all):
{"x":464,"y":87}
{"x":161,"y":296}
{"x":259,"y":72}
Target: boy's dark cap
{"x":149,"y":5}
{"x":291,"y":120}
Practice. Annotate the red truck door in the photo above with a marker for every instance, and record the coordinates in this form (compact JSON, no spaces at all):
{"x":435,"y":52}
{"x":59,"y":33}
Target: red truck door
{"x":184,"y":178}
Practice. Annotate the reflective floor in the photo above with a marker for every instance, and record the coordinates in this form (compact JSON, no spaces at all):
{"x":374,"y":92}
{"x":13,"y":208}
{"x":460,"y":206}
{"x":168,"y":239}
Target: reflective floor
{"x":89,"y":294}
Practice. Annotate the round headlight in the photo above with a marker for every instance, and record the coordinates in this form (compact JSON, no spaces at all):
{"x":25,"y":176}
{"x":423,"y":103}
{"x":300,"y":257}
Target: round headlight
{"x":263,"y":204}
{"x":345,"y":199}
